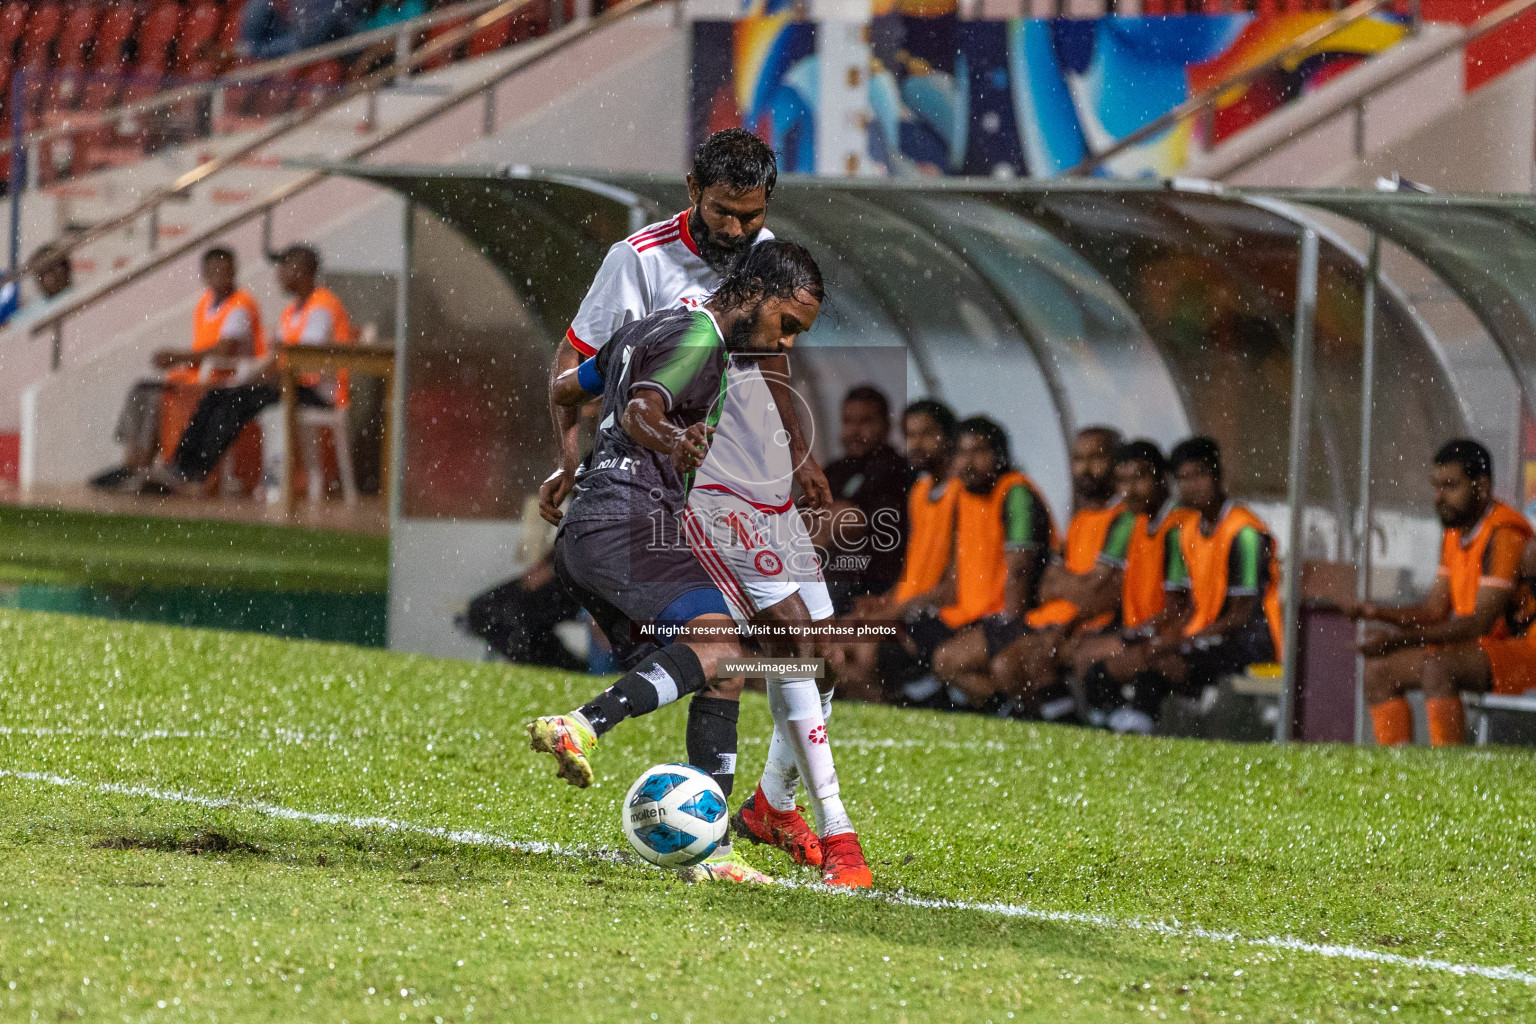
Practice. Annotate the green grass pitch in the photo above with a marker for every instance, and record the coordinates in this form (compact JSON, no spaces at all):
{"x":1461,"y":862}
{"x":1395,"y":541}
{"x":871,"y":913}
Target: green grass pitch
{"x":178,"y":842}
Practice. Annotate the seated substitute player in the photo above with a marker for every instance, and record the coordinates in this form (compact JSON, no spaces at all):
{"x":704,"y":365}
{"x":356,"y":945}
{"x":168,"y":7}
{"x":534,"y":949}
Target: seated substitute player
{"x":314,"y":317}
{"x":1459,"y":637}
{"x":1225,"y":561}
{"x":620,"y":546}
{"x":225,"y":325}
{"x":1080,"y":589}
{"x":927,"y":580}
{"x":1105,"y":662}
{"x":1003,"y":537}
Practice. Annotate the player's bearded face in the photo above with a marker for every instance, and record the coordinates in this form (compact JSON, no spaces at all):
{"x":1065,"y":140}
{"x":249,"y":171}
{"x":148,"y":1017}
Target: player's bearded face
{"x":1458,"y":500}
{"x":739,"y":337}
{"x":722,"y":252}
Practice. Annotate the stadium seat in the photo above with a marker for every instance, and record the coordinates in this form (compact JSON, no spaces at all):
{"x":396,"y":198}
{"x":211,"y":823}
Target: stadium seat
{"x":199,"y":34}
{"x":107,"y":56}
{"x":77,"y":34}
{"x":13,"y":21}
{"x":68,"y":80}
{"x":157,"y":32}
{"x":318,"y":79}
{"x":491,"y":38}
{"x":42,"y":29}
{"x":448,"y":56}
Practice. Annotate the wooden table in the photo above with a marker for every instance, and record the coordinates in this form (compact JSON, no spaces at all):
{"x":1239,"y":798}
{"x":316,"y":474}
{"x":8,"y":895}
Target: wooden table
{"x":294,"y":361}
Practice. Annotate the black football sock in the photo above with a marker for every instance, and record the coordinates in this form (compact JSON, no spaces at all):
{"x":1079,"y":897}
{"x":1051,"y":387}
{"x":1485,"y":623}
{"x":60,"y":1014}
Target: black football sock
{"x":657,"y":681}
{"x":712,"y":738}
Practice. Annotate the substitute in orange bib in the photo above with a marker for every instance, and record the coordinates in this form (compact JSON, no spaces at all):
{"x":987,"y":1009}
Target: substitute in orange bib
{"x":1104,"y":663}
{"x":1466,"y":634}
{"x":1003,"y":538}
{"x":1080,"y":589}
{"x":1224,"y":563}
{"x":314,"y":317}
{"x":226,"y":326}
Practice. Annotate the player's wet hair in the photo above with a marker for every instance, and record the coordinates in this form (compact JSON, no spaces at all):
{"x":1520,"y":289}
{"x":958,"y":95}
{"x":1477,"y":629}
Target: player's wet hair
{"x":218,"y":252}
{"x":304,"y":255}
{"x":871,"y":394}
{"x":993,"y":434}
{"x":1473,"y":458}
{"x":774,"y":269}
{"x":1142,"y":450}
{"x":941,"y":414}
{"x":1203,"y":450}
{"x":736,"y":159}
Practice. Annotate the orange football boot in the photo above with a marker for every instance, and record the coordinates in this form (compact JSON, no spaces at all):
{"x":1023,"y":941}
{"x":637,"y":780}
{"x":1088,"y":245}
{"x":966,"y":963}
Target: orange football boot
{"x":757,"y":821}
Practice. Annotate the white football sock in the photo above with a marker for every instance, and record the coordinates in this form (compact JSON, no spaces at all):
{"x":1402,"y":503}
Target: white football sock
{"x":780,"y":774}
{"x":796,"y":705}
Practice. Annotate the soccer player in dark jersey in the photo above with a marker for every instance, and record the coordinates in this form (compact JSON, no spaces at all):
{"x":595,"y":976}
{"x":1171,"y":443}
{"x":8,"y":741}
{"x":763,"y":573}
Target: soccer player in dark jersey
{"x":621,"y":547}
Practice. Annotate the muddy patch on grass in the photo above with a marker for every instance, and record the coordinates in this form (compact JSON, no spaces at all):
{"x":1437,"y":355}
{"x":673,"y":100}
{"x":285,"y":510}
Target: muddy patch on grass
{"x":208,"y":841}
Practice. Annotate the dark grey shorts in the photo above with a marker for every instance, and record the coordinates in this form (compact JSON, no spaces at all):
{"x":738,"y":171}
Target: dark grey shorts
{"x":622,"y":576}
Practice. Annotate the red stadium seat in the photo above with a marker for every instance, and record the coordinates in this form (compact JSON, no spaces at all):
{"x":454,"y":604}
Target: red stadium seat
{"x":117,"y":23}
{"x":229,"y":36}
{"x":37,"y":39}
{"x":317,"y":80}
{"x":199,"y":34}
{"x":75,"y":39}
{"x":447,"y":56}
{"x":13,"y":21}
{"x":156,"y":34}
{"x":491,"y":38}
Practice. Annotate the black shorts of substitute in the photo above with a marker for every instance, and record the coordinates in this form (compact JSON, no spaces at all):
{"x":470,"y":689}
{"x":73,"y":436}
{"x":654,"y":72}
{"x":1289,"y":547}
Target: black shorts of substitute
{"x":927,"y":632}
{"x":621,"y":576}
{"x":1231,"y":653}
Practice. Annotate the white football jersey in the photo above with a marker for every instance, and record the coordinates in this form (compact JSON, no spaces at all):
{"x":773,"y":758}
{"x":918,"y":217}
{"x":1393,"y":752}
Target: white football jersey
{"x":659,"y":267}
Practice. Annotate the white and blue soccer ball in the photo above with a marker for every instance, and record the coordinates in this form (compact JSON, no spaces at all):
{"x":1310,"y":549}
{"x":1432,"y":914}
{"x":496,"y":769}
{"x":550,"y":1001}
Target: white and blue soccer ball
{"x":674,"y":815}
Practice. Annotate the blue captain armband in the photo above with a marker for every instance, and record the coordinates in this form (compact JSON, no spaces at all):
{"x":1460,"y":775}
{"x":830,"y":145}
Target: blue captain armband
{"x":587,"y":376}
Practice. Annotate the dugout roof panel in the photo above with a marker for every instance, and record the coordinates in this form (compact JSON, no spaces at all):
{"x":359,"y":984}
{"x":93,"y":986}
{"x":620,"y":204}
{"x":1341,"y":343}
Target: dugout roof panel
{"x":1160,"y":308}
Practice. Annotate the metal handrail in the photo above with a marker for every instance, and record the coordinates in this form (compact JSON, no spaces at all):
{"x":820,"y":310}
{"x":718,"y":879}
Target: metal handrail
{"x":484,"y":87}
{"x":284,"y":125}
{"x":1490,"y":22}
{"x":401,"y":32}
{"x":1206,"y":99}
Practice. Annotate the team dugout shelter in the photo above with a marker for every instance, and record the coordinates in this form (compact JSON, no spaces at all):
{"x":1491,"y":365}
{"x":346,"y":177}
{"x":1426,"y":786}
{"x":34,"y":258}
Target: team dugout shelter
{"x":1330,"y":340}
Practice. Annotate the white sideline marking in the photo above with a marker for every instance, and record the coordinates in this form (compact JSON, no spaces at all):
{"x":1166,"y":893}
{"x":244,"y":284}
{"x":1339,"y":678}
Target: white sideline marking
{"x":47,"y":731}
{"x":469,"y":837}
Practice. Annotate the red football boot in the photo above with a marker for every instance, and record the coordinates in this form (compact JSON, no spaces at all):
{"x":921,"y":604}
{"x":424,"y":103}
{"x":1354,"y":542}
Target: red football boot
{"x":843,"y":862}
{"x":758,"y":822}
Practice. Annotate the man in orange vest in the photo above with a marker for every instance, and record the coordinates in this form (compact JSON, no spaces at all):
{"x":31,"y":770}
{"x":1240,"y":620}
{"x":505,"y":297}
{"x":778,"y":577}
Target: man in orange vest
{"x":1003,"y":538}
{"x":1105,"y":662}
{"x":314,"y":317}
{"x":1460,"y":637}
{"x":226,"y":324}
{"x":878,"y":672}
{"x":1080,"y":589}
{"x":1225,"y":564}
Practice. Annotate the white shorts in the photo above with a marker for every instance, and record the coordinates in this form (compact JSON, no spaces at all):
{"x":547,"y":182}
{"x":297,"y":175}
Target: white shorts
{"x":756,"y":558}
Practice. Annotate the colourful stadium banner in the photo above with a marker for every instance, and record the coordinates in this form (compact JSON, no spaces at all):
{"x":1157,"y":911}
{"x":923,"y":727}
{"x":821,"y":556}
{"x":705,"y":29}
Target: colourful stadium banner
{"x":1008,"y":98}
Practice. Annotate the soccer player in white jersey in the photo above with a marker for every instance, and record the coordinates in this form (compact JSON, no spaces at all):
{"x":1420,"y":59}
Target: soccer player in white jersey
{"x":741,"y":523}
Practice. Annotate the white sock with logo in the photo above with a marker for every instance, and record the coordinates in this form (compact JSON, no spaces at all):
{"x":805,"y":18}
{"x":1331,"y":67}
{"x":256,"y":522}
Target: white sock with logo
{"x":781,"y":773}
{"x":797,"y":715}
